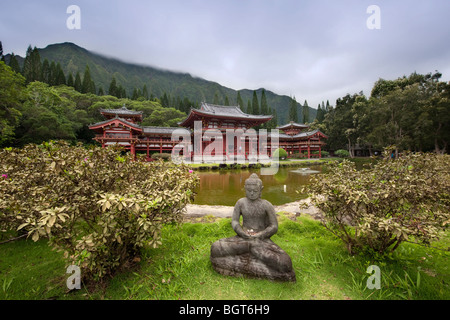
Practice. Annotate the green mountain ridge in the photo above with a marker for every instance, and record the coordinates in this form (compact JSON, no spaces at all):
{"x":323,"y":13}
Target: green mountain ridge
{"x":74,"y":58}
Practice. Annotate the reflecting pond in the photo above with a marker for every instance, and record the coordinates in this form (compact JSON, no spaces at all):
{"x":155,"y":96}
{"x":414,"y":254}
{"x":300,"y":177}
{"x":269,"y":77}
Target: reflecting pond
{"x":225,"y":187}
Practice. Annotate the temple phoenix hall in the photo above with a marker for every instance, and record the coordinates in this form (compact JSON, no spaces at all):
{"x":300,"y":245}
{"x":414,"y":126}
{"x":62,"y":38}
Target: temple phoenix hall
{"x":122,"y":126}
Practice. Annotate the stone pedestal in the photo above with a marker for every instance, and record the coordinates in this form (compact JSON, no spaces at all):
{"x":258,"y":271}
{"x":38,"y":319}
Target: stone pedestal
{"x":246,"y":265}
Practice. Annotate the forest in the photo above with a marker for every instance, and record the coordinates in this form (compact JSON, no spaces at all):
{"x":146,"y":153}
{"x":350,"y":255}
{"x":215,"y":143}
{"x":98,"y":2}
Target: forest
{"x":411,"y":113}
{"x":39,"y":102}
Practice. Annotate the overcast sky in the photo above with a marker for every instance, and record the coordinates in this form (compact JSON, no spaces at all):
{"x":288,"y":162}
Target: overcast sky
{"x":313,"y":50}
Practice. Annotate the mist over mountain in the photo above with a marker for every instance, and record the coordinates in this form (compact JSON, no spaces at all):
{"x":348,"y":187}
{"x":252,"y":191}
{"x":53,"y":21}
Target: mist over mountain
{"x":74,"y":58}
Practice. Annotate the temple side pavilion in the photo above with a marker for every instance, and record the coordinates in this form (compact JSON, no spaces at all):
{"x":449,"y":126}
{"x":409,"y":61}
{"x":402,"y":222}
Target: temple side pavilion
{"x":121,"y":126}
{"x":296,"y":138}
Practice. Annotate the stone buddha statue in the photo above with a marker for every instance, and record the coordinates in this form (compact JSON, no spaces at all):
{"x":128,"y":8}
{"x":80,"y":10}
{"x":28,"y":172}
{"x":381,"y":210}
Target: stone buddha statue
{"x":251,"y":252}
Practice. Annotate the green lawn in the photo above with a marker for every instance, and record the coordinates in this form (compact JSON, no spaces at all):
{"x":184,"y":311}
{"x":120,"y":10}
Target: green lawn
{"x":180,"y":269}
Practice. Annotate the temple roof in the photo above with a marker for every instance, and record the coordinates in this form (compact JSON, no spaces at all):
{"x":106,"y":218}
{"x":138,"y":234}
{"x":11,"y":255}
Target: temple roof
{"x":292,"y":125}
{"x":229,"y":111}
{"x":104,"y":122}
{"x":159,"y":130}
{"x":121,"y":111}
{"x":300,"y":135}
{"x":223,"y":112}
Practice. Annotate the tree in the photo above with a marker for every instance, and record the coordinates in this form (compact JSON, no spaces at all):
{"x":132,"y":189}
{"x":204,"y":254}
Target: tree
{"x":13,"y":63}
{"x":264,"y":105}
{"x":216,"y":99}
{"x":87,"y":85}
{"x":305,"y":112}
{"x":249,"y":107}
{"x":293,"y":114}
{"x":59,"y":77}
{"x":46,"y":116}
{"x":145,"y":92}
{"x":164,"y":117}
{"x":70,"y":81}
{"x":320,"y":114}
{"x":32,"y":65}
{"x":113,"y":87}
{"x":52,"y":74}
{"x":328,"y":107}
{"x":437,"y":110}
{"x":165,"y":101}
{"x":272,"y":123}
{"x":338,"y":121}
{"x":135,"y":94}
{"x":77,"y":83}
{"x":240,"y":102}
{"x":11,"y":97}
{"x":46,"y":73}
{"x":226,"y":102}
{"x":255,"y":104}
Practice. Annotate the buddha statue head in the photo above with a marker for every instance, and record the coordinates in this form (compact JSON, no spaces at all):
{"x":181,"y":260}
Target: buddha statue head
{"x":253,"y":187}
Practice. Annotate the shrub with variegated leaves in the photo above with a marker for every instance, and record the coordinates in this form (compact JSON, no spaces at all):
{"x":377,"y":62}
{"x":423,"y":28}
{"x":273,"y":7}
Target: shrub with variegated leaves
{"x":392,"y":201}
{"x":98,"y":206}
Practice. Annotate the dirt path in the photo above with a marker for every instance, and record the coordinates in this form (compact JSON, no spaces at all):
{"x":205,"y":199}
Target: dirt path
{"x":196,"y":210}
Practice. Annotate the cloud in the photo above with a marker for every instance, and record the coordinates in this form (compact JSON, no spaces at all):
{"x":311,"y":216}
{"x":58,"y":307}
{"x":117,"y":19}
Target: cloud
{"x":313,"y":50}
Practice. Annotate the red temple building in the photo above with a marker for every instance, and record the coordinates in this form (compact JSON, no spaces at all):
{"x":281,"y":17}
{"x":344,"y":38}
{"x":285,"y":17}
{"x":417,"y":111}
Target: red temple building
{"x":297,"y":139}
{"x":121,"y":126}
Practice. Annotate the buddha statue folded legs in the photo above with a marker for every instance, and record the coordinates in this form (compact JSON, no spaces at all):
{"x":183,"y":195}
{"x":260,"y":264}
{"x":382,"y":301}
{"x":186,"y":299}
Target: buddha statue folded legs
{"x":251,"y":252}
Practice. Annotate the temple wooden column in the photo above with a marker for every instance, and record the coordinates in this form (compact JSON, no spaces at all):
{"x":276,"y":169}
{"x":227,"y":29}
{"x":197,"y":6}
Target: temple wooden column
{"x":133,"y":149}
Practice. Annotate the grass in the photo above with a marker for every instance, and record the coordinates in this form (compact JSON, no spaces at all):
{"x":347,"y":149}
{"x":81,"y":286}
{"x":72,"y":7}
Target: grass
{"x":180,"y":269}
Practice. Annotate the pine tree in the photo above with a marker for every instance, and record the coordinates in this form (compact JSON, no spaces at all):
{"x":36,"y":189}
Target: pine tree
{"x":121,"y":93}
{"x":100,"y":92}
{"x":93,"y":89}
{"x":255,"y":104}
{"x":320,"y":114}
{"x":145,"y":92}
{"x":113,"y":87}
{"x":36,"y":65}
{"x":32,"y":65}
{"x":26,"y":69}
{"x":264,"y":106}
{"x":293,"y":114}
{"x":70,"y":79}
{"x":45,"y":76}
{"x":13,"y":63}
{"x":52,"y":74}
{"x":227,"y":102}
{"x":240,"y":102}
{"x":165,"y":100}
{"x":216,"y":99}
{"x":77,"y":83}
{"x":60,"y":77}
{"x":273,"y":123}
{"x":305,"y":112}
{"x":135,"y":95}
{"x":249,"y":107}
{"x":87,"y":85}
